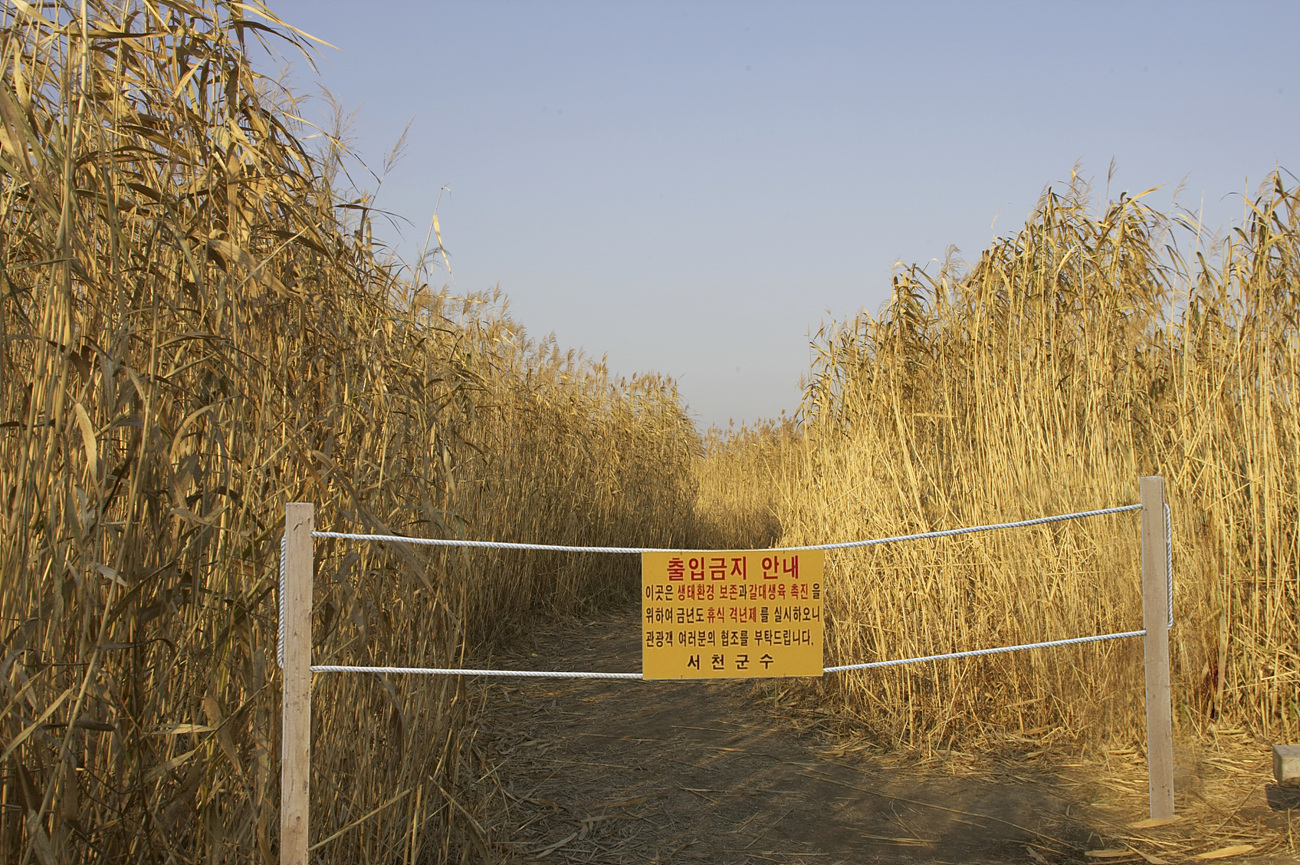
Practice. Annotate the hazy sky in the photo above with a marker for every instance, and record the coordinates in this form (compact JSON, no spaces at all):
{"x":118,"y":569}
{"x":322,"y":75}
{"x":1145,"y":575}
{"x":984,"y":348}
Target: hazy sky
{"x":692,"y":188}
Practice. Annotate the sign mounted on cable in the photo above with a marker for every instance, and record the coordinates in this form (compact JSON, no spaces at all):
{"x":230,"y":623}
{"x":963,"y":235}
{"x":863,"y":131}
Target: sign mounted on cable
{"x":742,"y":614}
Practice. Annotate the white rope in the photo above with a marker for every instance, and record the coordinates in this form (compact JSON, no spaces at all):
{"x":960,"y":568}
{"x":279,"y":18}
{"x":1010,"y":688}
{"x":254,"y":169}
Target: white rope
{"x":431,"y":671}
{"x":545,"y":674}
{"x":844,"y":545}
{"x":976,"y":652}
{"x":284,"y":582}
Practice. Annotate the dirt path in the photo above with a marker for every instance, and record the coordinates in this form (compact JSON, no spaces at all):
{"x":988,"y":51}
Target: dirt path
{"x":632,"y":772}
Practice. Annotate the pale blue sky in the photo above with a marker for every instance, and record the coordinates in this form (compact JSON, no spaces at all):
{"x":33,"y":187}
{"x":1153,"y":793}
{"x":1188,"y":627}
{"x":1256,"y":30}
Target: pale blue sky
{"x":691,"y":188}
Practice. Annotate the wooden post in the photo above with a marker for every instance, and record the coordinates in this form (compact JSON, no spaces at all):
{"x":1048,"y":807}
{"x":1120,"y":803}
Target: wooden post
{"x":1155,"y":619}
{"x":295,"y":741}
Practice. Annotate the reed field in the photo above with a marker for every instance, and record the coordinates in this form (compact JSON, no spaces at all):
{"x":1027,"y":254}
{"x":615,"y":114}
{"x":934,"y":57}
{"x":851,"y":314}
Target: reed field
{"x":1087,"y":350}
{"x":738,"y":479}
{"x":197,"y":327}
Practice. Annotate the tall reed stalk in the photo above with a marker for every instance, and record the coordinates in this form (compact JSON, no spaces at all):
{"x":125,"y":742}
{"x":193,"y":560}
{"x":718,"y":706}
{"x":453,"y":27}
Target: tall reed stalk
{"x":196,"y":326}
{"x":1072,"y":358}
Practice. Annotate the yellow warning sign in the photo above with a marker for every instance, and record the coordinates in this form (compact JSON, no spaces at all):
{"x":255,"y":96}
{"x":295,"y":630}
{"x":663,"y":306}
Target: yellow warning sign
{"x":731,"y":614}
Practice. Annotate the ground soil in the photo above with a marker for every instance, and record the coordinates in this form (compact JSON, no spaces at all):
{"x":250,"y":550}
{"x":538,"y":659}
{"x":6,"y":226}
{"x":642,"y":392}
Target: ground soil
{"x":634,"y":772}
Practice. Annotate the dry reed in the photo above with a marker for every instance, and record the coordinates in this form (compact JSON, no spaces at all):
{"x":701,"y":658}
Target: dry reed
{"x":738,"y":481}
{"x":197,"y":326}
{"x":1074,"y":357}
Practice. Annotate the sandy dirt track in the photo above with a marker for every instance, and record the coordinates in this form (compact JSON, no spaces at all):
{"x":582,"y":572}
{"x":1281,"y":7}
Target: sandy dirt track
{"x":632,"y":772}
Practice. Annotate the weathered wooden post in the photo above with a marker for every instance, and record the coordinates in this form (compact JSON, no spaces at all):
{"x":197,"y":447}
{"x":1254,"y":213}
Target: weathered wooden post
{"x":295,"y":744}
{"x":1155,"y":619}
{"x":1286,"y":765}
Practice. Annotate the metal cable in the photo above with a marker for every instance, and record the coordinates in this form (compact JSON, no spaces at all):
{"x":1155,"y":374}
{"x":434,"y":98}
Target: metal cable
{"x":844,"y":545}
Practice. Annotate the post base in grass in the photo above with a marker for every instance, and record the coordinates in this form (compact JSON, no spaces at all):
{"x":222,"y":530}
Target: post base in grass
{"x":1286,"y":765}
